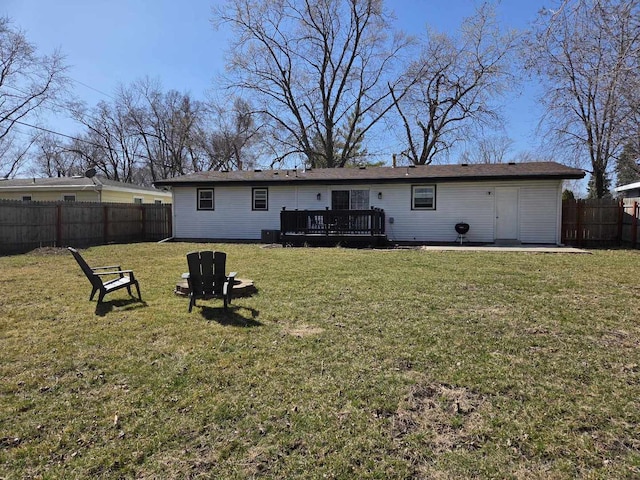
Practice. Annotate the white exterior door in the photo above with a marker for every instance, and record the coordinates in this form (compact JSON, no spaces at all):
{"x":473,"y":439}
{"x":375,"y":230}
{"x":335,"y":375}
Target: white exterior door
{"x":507,"y":213}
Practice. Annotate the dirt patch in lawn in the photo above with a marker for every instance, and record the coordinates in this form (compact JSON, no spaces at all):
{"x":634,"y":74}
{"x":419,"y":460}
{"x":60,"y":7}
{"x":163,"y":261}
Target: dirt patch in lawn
{"x":46,"y":251}
{"x":448,"y":417}
{"x":301,"y":331}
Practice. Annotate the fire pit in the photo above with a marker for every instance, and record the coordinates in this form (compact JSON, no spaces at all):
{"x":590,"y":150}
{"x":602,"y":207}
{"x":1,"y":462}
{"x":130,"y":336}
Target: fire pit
{"x":242,"y":287}
{"x":461,"y":228}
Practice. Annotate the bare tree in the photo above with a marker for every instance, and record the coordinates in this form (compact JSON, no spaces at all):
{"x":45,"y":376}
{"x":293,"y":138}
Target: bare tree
{"x":315,"y":68}
{"x":458,"y":77}
{"x":587,"y":51}
{"x":166,"y":124}
{"x":230,"y":139}
{"x":27,"y":80}
{"x":488,"y":149}
{"x":147,"y":134}
{"x":51,"y":156}
{"x":109,"y":143}
{"x":13,"y":155}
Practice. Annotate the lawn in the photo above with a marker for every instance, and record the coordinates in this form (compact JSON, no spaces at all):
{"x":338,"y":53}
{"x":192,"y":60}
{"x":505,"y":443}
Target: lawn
{"x":346,"y":364}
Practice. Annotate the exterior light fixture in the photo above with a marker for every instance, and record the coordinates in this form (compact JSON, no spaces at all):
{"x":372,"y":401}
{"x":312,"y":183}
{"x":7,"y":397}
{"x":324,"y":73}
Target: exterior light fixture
{"x":319,"y":196}
{"x":379,"y":195}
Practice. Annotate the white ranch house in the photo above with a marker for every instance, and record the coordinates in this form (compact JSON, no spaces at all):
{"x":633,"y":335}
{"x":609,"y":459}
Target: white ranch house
{"x":515,"y":202}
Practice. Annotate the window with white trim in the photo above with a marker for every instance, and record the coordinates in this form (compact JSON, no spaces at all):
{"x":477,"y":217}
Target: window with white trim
{"x":138,"y":200}
{"x":260,"y":199}
{"x":423,"y":197}
{"x":26,"y":198}
{"x":205,"y":199}
{"x":69,"y":198}
{"x":157,"y":202}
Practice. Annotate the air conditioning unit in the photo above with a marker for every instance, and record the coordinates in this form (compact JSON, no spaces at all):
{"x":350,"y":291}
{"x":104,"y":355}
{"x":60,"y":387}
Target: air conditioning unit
{"x":270,"y":236}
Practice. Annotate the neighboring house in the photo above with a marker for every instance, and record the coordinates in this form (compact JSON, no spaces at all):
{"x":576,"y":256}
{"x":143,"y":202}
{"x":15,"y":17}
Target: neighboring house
{"x":80,"y":189}
{"x":517,"y":202}
{"x":631,"y":190}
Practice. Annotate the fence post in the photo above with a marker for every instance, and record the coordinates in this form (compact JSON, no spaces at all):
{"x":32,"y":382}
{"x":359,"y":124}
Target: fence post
{"x":578,"y":223}
{"x":620,"y":220}
{"x":634,"y":225}
{"x":105,"y":223}
{"x":144,"y":223}
{"x":58,"y":225}
{"x":168,"y":213}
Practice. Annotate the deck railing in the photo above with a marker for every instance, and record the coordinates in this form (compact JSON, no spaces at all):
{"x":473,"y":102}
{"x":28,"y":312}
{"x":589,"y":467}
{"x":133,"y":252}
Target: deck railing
{"x":332,"y":222}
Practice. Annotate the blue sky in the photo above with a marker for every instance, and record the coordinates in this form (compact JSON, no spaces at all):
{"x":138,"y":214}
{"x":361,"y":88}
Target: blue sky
{"x":112,"y":42}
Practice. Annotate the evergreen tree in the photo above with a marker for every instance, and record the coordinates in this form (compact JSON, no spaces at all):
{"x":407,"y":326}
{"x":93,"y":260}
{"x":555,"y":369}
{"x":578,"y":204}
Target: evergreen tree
{"x":592,"y":191}
{"x":627,"y":165}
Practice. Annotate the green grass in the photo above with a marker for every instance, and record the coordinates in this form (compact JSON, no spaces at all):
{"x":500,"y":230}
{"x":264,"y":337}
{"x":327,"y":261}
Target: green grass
{"x":346,"y":364}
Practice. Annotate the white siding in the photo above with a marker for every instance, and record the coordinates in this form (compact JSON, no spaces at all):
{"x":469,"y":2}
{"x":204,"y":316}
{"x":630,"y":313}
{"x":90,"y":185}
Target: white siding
{"x":537,"y":204}
{"x":455,"y":202}
{"x":472,"y":202}
{"x":232,"y":218}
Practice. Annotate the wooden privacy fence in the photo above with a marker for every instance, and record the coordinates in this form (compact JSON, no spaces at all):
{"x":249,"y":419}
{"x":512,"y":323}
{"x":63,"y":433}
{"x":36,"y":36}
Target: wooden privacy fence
{"x":28,"y":225}
{"x":600,"y":222}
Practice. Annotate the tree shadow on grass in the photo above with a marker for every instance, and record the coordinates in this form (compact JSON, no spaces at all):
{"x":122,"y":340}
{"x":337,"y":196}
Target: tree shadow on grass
{"x":231,"y":316}
{"x":129,"y":304}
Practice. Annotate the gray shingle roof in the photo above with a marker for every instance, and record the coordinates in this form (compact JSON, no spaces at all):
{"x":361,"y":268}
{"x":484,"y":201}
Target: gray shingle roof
{"x":461,"y":172}
{"x":69,"y":182}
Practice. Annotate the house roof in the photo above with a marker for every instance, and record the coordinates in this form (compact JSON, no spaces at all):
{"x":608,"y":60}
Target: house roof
{"x":629,"y":186}
{"x":72,"y":183}
{"x":412,"y":174}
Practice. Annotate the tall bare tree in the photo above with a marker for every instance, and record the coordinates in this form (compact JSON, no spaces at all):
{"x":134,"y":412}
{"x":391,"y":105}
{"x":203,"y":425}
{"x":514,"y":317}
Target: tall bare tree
{"x":166,"y":124}
{"x":587,"y":51}
{"x":314,"y":69}
{"x":27,"y":80}
{"x":457,"y":79}
{"x":109,"y":143}
{"x":13,"y":155}
{"x":488,"y":149}
{"x":51,"y":156}
{"x":230,"y":138}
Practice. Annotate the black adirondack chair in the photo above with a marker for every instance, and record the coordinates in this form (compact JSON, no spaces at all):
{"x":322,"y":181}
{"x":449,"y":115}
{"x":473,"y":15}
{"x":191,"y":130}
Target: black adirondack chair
{"x":207,"y":278}
{"x":123,"y":278}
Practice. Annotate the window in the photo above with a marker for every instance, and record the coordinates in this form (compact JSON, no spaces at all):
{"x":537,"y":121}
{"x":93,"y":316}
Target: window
{"x":350,"y":200}
{"x":205,"y":199}
{"x":69,"y":198}
{"x":137,"y":200}
{"x":423,"y":197}
{"x":26,"y":198}
{"x":260,"y":199}
{"x":157,"y":202}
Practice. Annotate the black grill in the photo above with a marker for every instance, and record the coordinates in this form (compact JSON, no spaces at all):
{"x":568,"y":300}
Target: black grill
{"x":462,"y":228}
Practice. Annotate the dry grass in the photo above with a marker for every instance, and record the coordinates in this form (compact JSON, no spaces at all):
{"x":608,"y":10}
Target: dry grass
{"x":346,"y":364}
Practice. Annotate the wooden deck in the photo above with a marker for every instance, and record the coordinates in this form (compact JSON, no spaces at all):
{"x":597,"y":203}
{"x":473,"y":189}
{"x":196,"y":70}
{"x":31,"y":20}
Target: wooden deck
{"x":332,"y":227}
